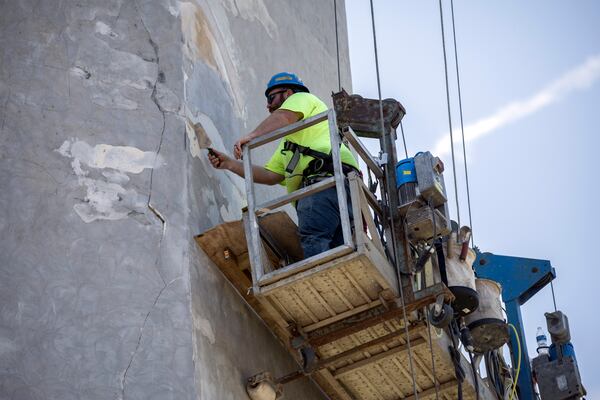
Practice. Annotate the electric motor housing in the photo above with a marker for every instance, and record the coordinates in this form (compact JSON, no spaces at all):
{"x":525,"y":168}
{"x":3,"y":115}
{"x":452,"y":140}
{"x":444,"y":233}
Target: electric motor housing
{"x":422,"y":196}
{"x":487,"y":324}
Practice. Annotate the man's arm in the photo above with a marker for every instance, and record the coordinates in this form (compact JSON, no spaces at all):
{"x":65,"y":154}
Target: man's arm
{"x":278,"y":119}
{"x":261,"y":175}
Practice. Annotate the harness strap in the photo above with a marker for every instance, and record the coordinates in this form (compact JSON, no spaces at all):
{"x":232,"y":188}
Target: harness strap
{"x":322,"y":162}
{"x":300,"y":150}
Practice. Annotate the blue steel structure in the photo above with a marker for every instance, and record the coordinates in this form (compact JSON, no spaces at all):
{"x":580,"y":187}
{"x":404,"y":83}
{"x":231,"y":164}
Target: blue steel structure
{"x":521,"y":278}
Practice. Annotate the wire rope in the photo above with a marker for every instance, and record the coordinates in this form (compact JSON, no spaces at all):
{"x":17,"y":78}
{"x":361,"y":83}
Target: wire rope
{"x":553,"y":297}
{"x":403,"y":139}
{"x":462,"y":129}
{"x":403,"y":304}
{"x":435,"y":378}
{"x":427,"y":316}
{"x":449,"y":114}
{"x":337,"y":45}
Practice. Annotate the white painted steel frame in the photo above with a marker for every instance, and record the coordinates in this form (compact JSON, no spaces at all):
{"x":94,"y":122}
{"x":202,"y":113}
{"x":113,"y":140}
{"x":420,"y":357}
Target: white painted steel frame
{"x":257,"y":255}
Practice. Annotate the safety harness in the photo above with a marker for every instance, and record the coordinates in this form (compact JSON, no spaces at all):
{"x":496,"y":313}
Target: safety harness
{"x":321,"y":164}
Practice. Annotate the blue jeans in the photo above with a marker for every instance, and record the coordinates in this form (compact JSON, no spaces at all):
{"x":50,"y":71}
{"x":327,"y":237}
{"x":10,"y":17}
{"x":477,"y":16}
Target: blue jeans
{"x":319,"y":221}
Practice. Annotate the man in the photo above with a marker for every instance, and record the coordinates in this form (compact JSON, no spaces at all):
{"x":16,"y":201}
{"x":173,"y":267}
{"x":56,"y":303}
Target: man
{"x":302,"y":158}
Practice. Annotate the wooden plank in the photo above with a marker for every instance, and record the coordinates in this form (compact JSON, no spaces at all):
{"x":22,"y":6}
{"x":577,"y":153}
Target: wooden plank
{"x":443,"y":388}
{"x":383,"y":340}
{"x":418,"y":342}
{"x":291,"y":273}
{"x":381,"y":269}
{"x":229,"y":234}
{"x":362,"y":312}
{"x":368,"y":318}
{"x":339,"y":391}
{"x":341,"y":316}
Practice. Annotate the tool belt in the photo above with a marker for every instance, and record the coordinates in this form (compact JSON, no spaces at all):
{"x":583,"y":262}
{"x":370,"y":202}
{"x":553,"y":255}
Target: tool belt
{"x":318,"y":169}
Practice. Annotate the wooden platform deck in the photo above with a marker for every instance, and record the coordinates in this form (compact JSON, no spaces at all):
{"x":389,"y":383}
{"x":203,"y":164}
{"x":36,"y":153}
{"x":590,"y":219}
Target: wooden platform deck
{"x":348,"y":310}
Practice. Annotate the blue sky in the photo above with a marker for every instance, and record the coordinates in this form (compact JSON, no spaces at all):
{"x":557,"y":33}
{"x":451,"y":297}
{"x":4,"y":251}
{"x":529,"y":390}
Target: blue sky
{"x":530,"y":85}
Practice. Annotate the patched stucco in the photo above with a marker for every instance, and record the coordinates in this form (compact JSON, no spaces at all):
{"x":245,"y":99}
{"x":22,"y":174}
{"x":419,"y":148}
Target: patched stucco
{"x":106,"y":111}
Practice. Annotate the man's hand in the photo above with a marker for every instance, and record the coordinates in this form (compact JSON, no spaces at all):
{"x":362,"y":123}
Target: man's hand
{"x":277,"y":119}
{"x":219,"y":160}
{"x":237,"y":147}
{"x":261,"y":175}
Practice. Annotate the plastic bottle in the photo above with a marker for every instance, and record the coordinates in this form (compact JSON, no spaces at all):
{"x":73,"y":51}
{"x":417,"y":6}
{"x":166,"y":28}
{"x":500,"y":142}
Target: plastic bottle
{"x":542,"y":342}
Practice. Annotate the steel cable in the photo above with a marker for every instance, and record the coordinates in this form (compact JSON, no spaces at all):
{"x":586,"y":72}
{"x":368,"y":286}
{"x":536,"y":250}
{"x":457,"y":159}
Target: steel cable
{"x":403,"y":139}
{"x":462,"y":129}
{"x":337,"y":45}
{"x":403,"y":304}
{"x":449,"y":114}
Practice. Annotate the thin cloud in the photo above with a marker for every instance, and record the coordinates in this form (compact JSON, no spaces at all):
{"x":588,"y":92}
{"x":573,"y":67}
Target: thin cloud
{"x":579,"y":78}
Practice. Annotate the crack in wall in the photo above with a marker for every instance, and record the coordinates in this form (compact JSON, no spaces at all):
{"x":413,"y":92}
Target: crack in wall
{"x":159,"y":78}
{"x":139,"y":341}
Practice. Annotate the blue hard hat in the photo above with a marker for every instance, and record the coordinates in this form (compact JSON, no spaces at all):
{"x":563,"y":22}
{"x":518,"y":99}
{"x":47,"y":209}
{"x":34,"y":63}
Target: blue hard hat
{"x":286,"y":79}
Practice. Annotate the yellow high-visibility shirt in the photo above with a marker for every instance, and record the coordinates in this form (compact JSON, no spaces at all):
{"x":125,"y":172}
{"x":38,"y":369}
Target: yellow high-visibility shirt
{"x":316,"y":137}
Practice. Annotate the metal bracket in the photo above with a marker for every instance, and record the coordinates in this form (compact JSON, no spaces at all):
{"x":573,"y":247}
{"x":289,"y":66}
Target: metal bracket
{"x":382,"y":159}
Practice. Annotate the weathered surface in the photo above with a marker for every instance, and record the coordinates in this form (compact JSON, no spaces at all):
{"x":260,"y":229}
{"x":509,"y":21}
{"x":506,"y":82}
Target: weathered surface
{"x":103,"y":292}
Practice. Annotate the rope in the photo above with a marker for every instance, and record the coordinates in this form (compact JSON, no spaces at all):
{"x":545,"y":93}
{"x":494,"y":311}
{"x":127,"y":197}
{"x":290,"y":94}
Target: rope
{"x":405,"y":318}
{"x":449,"y":116}
{"x":462,"y":129}
{"x":337,"y":46}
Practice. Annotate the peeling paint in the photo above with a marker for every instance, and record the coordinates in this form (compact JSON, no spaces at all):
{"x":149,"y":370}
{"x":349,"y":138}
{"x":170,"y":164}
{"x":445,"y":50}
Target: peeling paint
{"x":105,"y":30}
{"x":202,"y":133}
{"x":122,"y":158}
{"x":215,"y":47}
{"x":199,"y":41}
{"x":116,"y":177}
{"x":205,"y":328}
{"x":108,"y":200}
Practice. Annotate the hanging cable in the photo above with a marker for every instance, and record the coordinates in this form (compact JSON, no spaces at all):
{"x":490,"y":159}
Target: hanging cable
{"x":435,"y":378}
{"x":462,"y":129}
{"x":427,"y":317}
{"x":337,"y":46}
{"x":553,"y":297}
{"x":449,"y":115}
{"x":403,"y":140}
{"x":514,"y":389}
{"x":403,"y":304}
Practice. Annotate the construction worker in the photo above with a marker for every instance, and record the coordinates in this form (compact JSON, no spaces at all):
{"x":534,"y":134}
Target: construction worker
{"x":301,"y":159}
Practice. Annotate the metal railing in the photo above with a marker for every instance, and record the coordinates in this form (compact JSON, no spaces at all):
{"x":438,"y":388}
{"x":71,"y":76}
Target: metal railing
{"x":361,"y":200}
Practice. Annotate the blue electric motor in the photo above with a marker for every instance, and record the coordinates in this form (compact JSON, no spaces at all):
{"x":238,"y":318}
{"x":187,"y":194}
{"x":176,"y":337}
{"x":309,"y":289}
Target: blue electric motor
{"x":567,"y":351}
{"x":406,"y":180}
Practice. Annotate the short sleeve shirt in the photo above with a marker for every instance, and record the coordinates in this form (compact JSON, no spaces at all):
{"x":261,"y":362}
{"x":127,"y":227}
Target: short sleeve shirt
{"x":316,"y":137}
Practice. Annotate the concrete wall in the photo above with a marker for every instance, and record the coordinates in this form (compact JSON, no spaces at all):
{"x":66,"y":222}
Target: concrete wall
{"x":103,"y":292}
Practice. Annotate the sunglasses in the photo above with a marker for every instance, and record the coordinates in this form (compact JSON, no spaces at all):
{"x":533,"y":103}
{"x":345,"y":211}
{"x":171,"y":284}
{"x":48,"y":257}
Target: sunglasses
{"x":272,"y":96}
